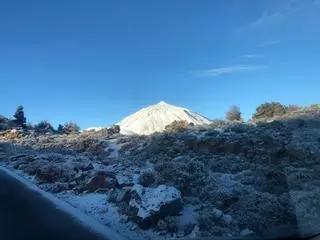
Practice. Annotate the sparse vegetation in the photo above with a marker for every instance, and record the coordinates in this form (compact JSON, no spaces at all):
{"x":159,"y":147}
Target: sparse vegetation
{"x":20,"y":119}
{"x":177,"y":126}
{"x":44,"y":127}
{"x":233,"y":114}
{"x":60,"y":129}
{"x":114,"y":129}
{"x":292,"y":108}
{"x":269,"y":110}
{"x":236,"y":178}
{"x":69,"y":128}
{"x":4,"y":123}
{"x":217,"y":123}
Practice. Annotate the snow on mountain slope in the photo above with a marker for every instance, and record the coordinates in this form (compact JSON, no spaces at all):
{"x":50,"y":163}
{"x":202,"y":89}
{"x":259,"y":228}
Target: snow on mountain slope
{"x":154,"y":119}
{"x":93,"y":129}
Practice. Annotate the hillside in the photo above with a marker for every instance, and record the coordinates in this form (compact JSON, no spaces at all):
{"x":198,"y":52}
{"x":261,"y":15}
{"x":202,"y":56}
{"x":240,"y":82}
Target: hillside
{"x":220,"y":179}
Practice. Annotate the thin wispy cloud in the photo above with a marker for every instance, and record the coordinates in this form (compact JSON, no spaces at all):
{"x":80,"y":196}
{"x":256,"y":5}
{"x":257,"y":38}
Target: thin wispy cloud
{"x":267,"y":18}
{"x":253,"y":56}
{"x":268,"y":43}
{"x":214,"y":72}
{"x":281,"y":12}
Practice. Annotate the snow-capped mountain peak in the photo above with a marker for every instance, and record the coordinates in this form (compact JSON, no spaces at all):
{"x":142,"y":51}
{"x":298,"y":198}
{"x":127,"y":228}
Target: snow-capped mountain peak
{"x":156,"y":117}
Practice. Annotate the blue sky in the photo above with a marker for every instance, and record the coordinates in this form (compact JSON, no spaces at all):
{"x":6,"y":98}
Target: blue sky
{"x":96,"y":62}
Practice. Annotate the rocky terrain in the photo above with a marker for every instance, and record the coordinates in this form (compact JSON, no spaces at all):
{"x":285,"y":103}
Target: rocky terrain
{"x":220,"y":179}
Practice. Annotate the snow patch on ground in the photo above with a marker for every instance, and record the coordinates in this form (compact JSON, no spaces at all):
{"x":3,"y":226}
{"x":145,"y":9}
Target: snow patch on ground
{"x":96,"y":206}
{"x":113,"y":148}
{"x":153,"y":198}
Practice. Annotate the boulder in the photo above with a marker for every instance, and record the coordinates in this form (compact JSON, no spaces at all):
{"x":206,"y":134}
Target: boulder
{"x":32,"y":167}
{"x":147,"y":205}
{"x":147,"y":178}
{"x":245,"y":232}
{"x":119,"y":195}
{"x":53,"y":173}
{"x":100,"y":181}
{"x":123,"y":180}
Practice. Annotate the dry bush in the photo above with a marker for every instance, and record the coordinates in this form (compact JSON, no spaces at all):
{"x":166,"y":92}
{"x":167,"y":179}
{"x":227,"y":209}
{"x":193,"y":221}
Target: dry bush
{"x":233,"y":114}
{"x":269,"y":110}
{"x":177,"y":126}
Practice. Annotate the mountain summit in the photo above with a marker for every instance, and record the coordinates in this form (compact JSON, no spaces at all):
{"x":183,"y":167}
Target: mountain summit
{"x":156,"y":117}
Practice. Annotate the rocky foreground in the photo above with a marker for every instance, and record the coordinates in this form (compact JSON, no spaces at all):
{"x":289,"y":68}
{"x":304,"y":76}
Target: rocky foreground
{"x":236,"y":180}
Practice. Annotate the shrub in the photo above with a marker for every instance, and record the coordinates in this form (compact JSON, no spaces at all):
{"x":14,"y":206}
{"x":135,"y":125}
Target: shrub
{"x":43,"y":127}
{"x":291,"y":108}
{"x":177,"y":126}
{"x":220,"y":124}
{"x":20,"y":119}
{"x":233,"y":114}
{"x":269,"y":110}
{"x":114,"y":129}
{"x":4,"y":123}
{"x":69,"y":128}
{"x":60,"y":129}
{"x":29,"y":126}
{"x":315,"y":106}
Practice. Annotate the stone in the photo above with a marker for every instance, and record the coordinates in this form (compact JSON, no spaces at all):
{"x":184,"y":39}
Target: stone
{"x":124,"y":194}
{"x":112,"y":195}
{"x":32,"y":167}
{"x":59,"y":187}
{"x":110,"y":182}
{"x":123,"y":180}
{"x":246,"y":232}
{"x":96,"y":182}
{"x":89,"y":167}
{"x":119,"y":195}
{"x":17,"y":157}
{"x":133,"y":228}
{"x":216,"y":213}
{"x":227,"y":219}
{"x":179,"y":159}
{"x":72,"y":184}
{"x":147,"y":178}
{"x":147,"y":205}
{"x":49,"y":173}
{"x":80,"y":176}
{"x":161,"y":225}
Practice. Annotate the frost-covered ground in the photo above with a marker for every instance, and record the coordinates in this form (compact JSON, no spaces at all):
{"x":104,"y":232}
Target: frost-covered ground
{"x":239,"y":180}
{"x":94,"y":204}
